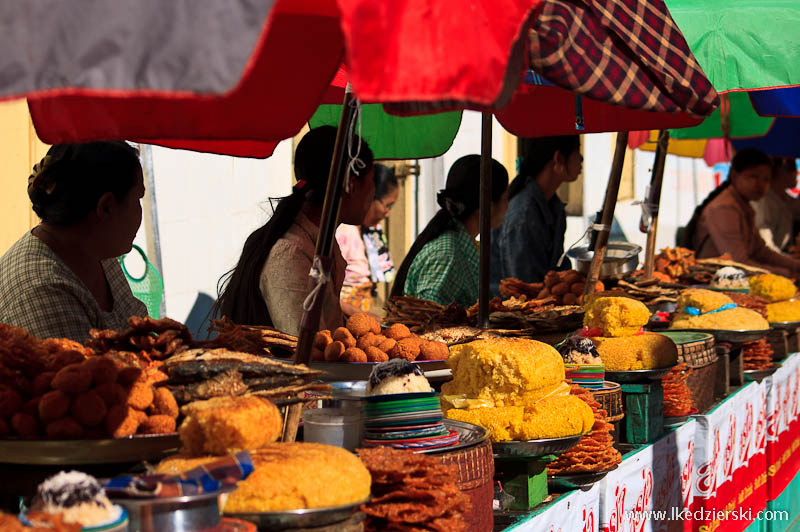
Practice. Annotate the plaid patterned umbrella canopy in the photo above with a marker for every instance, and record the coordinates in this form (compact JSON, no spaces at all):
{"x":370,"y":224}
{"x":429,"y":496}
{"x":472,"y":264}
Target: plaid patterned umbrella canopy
{"x":618,"y":52}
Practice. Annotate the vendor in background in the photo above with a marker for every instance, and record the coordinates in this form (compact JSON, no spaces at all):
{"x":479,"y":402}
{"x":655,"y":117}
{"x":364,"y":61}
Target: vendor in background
{"x":725,"y":221}
{"x":270,"y":283}
{"x":442,"y":264}
{"x":777,"y":212}
{"x":364,"y":247}
{"x":63,"y":278}
{"x":530,"y":242}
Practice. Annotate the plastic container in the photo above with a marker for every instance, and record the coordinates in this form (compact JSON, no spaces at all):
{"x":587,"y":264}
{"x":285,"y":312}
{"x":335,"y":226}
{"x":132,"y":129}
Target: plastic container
{"x":335,"y":426}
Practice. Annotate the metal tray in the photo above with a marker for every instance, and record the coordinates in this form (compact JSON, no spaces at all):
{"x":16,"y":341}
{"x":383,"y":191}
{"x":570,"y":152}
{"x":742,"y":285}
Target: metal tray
{"x":316,"y":517}
{"x":787,"y":325}
{"x":85,"y":452}
{"x":174,"y":514}
{"x":580,"y":481}
{"x":637,"y":375}
{"x":758,"y":374}
{"x":731,"y":337}
{"x":534,"y":448}
{"x":344,"y":371}
{"x":469,"y":436}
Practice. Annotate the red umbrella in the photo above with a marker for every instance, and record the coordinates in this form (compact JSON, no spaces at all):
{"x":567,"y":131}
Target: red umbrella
{"x":292,"y":72}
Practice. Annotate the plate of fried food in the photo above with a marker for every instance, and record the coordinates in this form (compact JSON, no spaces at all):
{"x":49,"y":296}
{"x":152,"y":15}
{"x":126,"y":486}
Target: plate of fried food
{"x":350,"y":352}
{"x":129,"y":449}
{"x":534,"y":448}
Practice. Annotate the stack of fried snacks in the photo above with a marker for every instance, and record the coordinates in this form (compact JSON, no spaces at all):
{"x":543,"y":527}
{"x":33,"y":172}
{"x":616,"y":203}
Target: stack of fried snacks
{"x":154,"y":339}
{"x":595,"y":452}
{"x":759,"y":304}
{"x":757,"y":355}
{"x":421,"y":315}
{"x":566,"y":286}
{"x":675,"y":262}
{"x":45,"y":522}
{"x":249,"y":338}
{"x":412,"y":492}
{"x":513,"y":287}
{"x":677,"y":395}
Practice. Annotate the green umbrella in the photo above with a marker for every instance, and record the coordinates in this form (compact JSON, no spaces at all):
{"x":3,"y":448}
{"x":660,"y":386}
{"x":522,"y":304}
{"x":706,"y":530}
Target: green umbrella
{"x":742,"y":44}
{"x":397,"y":137}
{"x":742,"y":120}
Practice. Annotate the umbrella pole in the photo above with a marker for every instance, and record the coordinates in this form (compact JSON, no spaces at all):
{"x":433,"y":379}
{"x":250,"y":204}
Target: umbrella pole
{"x":654,"y":201}
{"x":607,"y":218}
{"x":328,"y":222}
{"x":485,"y":220}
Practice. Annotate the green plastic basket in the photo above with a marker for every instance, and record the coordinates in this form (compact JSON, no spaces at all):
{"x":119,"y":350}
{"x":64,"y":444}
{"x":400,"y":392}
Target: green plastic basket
{"x":149,"y":288}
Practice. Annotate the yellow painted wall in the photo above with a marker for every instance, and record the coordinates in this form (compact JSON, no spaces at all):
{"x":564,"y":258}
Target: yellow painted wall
{"x":20,"y":149}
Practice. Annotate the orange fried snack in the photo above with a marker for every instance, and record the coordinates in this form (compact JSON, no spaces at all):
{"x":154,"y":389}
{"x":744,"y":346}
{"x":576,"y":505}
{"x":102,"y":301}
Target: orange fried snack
{"x":677,"y":396}
{"x":595,"y":452}
{"x":412,"y":492}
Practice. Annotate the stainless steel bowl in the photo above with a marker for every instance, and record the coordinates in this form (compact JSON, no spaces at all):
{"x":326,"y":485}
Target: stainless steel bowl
{"x":621,"y":258}
{"x":345,"y":395}
{"x":188,"y":513}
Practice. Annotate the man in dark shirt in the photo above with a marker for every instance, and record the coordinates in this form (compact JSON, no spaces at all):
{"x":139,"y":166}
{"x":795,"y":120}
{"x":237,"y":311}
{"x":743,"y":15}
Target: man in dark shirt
{"x":531,"y":240}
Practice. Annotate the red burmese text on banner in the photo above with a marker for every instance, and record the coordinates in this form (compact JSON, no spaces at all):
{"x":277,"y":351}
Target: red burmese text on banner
{"x":783,"y":426}
{"x":731,"y":464}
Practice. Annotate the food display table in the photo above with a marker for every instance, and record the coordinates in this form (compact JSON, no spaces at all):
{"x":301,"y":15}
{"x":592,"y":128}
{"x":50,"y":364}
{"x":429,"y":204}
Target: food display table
{"x":743,"y":457}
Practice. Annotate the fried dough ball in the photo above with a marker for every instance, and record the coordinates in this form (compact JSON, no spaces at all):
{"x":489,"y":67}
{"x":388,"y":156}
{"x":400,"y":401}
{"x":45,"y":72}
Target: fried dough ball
{"x":65,"y":428}
{"x":157,"y":424}
{"x":433,"y":351}
{"x":53,"y":405}
{"x":72,"y":379}
{"x":317,"y":355}
{"x":164,"y":403}
{"x":407,"y":348}
{"x":398,"y":331}
{"x":88,"y":409}
{"x":140,"y":395}
{"x":111,"y":393}
{"x":31,"y":406}
{"x":64,"y":359}
{"x":103,"y":370}
{"x":128,"y":375}
{"x":322,"y":340}
{"x":334,"y":351}
{"x":354,"y":354}
{"x":10,"y":402}
{"x":387,"y":345}
{"x":25,"y":425}
{"x":369,"y":340}
{"x":343,"y":335}
{"x":4,"y":427}
{"x":376,"y":355}
{"x":122,"y":421}
{"x":42,"y":382}
{"x":361,"y":323}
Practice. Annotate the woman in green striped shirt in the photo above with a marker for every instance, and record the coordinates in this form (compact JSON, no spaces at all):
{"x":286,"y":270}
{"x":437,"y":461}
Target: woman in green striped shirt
{"x":442,"y":265}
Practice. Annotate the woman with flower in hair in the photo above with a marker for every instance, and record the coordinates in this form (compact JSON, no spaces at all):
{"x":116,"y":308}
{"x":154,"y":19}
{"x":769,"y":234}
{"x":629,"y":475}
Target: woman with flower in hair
{"x":443,"y":264}
{"x":63,"y":278}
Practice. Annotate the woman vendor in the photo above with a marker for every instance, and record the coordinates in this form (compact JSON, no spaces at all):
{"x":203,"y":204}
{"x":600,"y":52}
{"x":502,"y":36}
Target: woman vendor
{"x":530,"y":242}
{"x":442,"y":265}
{"x":63,"y":278}
{"x":271,"y":281}
{"x":777,"y":212}
{"x":725,"y":221}
{"x":364,"y":247}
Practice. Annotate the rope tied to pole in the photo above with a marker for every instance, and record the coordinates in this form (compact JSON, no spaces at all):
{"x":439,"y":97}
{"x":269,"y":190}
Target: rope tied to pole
{"x":320,"y":277}
{"x":592,"y":227}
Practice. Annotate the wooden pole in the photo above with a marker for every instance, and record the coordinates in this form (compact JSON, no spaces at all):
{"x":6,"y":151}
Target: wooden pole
{"x":485,"y":220}
{"x":653,"y":202}
{"x":607,"y":218}
{"x":309,"y":325}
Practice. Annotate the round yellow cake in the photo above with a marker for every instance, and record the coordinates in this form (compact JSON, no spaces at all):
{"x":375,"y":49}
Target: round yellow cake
{"x":703,"y":300}
{"x":616,"y":316}
{"x":772,"y":287}
{"x":644,"y":351}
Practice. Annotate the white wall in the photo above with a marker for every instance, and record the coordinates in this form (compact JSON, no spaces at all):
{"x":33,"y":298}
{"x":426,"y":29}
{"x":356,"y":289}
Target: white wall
{"x":207,"y":206}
